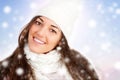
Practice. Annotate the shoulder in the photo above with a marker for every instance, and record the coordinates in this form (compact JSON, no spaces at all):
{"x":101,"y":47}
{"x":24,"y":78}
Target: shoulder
{"x":84,"y":64}
{"x":80,"y":58}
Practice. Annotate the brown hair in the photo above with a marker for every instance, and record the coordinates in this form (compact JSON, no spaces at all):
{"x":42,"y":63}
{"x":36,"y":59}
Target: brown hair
{"x":77,"y":65}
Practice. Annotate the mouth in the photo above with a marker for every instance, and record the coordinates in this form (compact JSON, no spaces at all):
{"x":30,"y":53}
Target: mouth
{"x":38,"y":40}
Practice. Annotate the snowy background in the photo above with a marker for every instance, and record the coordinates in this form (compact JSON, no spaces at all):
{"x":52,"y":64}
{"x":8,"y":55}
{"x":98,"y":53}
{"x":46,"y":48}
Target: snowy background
{"x":96,"y":34}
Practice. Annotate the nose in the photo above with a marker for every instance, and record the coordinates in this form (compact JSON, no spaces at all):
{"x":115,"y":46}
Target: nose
{"x":42,"y":32}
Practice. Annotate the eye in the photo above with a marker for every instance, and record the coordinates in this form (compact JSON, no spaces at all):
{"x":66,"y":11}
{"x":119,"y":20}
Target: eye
{"x":53,"y":31}
{"x":38,"y":22}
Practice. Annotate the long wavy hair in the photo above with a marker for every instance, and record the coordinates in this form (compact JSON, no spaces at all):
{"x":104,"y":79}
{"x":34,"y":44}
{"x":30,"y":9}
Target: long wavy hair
{"x":78,"y":66}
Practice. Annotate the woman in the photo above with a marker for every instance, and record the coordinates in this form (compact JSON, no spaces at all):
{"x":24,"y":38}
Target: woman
{"x":44,"y":54}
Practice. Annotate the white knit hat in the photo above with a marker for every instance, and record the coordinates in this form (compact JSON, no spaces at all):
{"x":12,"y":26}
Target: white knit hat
{"x":63,"y":12}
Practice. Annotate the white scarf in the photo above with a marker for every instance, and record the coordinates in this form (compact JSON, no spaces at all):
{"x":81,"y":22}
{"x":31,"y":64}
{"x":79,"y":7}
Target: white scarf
{"x":47,"y":66}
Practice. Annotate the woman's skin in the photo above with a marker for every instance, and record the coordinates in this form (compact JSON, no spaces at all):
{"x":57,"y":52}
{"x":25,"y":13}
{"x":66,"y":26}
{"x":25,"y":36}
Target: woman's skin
{"x":44,"y":35}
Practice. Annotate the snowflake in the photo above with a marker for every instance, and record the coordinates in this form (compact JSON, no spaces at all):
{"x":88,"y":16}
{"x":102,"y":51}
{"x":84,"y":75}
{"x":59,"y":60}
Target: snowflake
{"x":117,"y":65}
{"x":10,"y":35}
{"x":82,"y":71}
{"x":90,"y":67}
{"x":19,"y":71}
{"x":117,"y":11}
{"x":5,"y":64}
{"x":19,"y":56}
{"x":115,"y":4}
{"x":4,"y":24}
{"x":7,"y":9}
{"x":92,"y":23}
{"x":59,"y":48}
{"x":78,"y":56}
{"x":33,"y":5}
{"x":102,"y":34}
{"x":88,"y":77}
{"x":67,"y":60}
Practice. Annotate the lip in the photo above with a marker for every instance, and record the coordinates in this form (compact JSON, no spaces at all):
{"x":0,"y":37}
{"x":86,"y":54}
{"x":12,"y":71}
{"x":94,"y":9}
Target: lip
{"x":37,"y":40}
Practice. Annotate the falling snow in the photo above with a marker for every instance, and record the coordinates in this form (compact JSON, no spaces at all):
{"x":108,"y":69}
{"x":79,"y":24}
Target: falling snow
{"x":118,"y":11}
{"x":91,"y":67}
{"x":78,"y":56}
{"x":33,"y":5}
{"x":19,"y":56}
{"x":117,"y":65}
{"x":5,"y":24}
{"x":97,"y":18}
{"x":5,"y":64}
{"x":7,"y":9}
{"x":92,"y":23}
{"x":19,"y":71}
{"x":82,"y":71}
{"x":115,"y":4}
{"x":67,"y":60}
{"x":10,"y":35}
{"x":88,"y":77}
{"x":58,"y":48}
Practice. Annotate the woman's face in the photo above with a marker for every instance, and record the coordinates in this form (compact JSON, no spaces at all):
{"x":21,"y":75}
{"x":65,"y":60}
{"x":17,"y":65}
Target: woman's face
{"x":43,"y":35}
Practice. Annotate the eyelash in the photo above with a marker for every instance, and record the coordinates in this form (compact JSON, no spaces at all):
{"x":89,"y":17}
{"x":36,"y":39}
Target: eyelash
{"x":52,"y":30}
{"x":37,"y":22}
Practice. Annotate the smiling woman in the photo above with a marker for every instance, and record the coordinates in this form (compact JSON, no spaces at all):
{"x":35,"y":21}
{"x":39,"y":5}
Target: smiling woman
{"x":43,"y":52}
{"x":44,"y":35}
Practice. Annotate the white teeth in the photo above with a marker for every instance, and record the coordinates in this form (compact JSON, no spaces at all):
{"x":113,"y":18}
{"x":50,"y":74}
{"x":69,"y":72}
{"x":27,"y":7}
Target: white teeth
{"x":37,"y":40}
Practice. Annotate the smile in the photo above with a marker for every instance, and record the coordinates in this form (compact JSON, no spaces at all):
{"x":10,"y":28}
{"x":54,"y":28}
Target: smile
{"x":38,"y":41}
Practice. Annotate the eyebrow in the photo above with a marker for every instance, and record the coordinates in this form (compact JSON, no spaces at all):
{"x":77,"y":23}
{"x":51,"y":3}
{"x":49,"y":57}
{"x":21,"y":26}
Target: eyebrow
{"x":55,"y":27}
{"x":41,"y":19}
{"x":51,"y":25}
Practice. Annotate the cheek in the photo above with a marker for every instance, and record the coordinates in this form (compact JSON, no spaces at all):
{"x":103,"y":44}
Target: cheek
{"x":29,"y":35}
{"x":32,"y":30}
{"x":54,"y":40}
